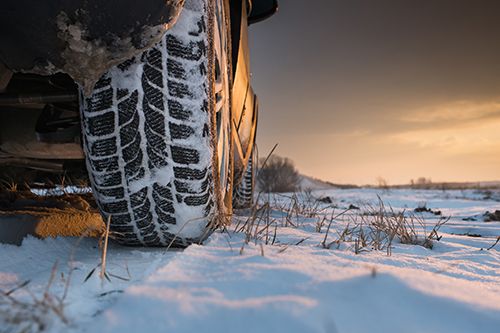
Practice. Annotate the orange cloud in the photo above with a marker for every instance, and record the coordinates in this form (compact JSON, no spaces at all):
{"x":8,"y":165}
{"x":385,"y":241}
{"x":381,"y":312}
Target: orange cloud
{"x":462,"y":112}
{"x":455,"y":128}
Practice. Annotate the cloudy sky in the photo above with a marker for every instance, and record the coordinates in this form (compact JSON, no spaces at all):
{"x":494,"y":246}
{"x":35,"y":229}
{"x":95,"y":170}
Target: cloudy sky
{"x":353,"y":90}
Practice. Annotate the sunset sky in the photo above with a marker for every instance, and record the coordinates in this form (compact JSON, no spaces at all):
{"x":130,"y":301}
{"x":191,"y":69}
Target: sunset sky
{"x":353,"y":90}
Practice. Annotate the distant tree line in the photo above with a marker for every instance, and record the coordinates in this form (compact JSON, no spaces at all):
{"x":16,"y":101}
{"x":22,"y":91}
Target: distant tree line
{"x":277,"y":174}
{"x":421,"y":182}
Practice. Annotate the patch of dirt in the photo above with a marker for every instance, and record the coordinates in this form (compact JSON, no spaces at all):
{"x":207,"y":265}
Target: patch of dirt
{"x":326,"y":200}
{"x":424,"y":209}
{"x":492,"y":217}
{"x":468,"y":234}
{"x":23,"y":213}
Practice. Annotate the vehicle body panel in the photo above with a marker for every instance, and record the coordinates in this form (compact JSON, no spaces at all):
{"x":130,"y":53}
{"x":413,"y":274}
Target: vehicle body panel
{"x":262,"y":10}
{"x":36,"y":42}
{"x":243,"y":99}
{"x":80,"y":38}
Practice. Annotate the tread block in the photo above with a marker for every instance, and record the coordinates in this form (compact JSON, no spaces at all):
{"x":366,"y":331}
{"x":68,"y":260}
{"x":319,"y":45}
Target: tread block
{"x":120,"y":93}
{"x":163,"y":191}
{"x":154,"y":57}
{"x":127,"y":238}
{"x":183,"y":187}
{"x":152,"y":240}
{"x":185,"y":155}
{"x":155,"y":140}
{"x":177,"y":111}
{"x":152,"y":95}
{"x":164,"y":204}
{"x":157,"y":159}
{"x":138,"y":198}
{"x":153,"y":75}
{"x":101,"y":100}
{"x":140,"y":212}
{"x":164,"y":217}
{"x":190,"y":51}
{"x":109,"y":180}
{"x":123,"y":228}
{"x":101,"y":148}
{"x":145,"y":221}
{"x":126,"y":64}
{"x":112,"y":192}
{"x":154,"y":120}
{"x":130,"y":131}
{"x":133,"y":150}
{"x":189,"y":174}
{"x":104,"y":164}
{"x":103,"y":82}
{"x":148,"y":230}
{"x":115,"y":206}
{"x":101,"y":125}
{"x":196,"y":200}
{"x":180,"y":131}
{"x":139,"y":175}
{"x":179,"y":89}
{"x":127,"y":109}
{"x":176,"y":69}
{"x":133,"y":167}
{"x":120,"y":219}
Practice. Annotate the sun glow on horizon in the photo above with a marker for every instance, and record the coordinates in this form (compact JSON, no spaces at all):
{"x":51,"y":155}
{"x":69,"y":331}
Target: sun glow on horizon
{"x":454,"y":141}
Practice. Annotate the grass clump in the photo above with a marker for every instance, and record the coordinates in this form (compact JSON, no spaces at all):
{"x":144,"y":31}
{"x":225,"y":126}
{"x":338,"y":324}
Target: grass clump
{"x":372,"y":228}
{"x":36,"y":313}
{"x":377,"y":228}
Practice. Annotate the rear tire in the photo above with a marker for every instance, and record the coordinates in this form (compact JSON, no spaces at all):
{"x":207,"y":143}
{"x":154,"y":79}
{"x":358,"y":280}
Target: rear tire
{"x":150,"y":134}
{"x":243,"y":192}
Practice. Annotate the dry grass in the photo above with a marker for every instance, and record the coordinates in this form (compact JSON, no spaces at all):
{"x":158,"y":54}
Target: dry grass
{"x":378,"y":227}
{"x":104,"y":274}
{"x":8,"y":185}
{"x":33,"y":313}
{"x":374,"y":228}
{"x":267,"y":215}
{"x":36,"y":313}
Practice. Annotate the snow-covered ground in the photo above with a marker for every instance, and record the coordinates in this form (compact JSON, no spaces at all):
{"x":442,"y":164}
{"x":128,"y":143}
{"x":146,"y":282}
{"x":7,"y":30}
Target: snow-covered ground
{"x":275,"y":270}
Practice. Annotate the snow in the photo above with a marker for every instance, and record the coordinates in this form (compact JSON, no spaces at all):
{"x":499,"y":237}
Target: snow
{"x":310,"y":183}
{"x":290,"y":285}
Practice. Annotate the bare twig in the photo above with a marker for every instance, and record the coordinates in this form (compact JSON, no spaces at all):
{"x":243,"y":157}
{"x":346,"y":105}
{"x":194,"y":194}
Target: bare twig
{"x":494,"y":244}
{"x":105,"y":250}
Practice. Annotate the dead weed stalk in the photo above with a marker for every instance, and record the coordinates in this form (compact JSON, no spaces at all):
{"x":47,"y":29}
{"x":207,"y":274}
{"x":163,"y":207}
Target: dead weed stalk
{"x":378,"y":227}
{"x":35,"y":314}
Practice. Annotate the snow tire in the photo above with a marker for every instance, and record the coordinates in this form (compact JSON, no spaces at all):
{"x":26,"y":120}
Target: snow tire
{"x":149,"y":136}
{"x":243,"y":192}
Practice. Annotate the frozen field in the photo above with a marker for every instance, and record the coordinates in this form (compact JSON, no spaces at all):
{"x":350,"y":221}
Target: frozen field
{"x":295,"y":264}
